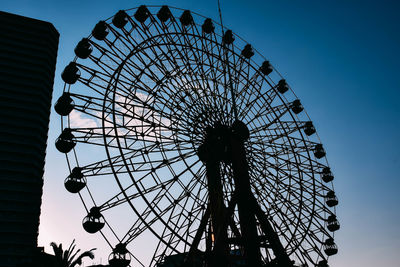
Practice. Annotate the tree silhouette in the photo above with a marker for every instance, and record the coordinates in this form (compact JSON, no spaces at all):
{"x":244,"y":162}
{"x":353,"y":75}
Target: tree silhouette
{"x":69,"y":258}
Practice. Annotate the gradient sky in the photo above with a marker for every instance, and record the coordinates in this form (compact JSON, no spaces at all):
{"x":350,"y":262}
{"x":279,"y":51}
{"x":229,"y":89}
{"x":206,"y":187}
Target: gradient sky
{"x":342,"y":60}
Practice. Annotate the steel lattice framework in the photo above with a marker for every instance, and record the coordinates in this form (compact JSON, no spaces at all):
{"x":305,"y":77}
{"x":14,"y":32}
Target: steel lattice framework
{"x":148,"y":90}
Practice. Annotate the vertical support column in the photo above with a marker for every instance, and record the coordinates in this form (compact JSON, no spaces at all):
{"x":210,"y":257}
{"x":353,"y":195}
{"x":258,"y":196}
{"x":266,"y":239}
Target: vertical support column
{"x":248,"y":206}
{"x":246,"y":210}
{"x":220,"y":250}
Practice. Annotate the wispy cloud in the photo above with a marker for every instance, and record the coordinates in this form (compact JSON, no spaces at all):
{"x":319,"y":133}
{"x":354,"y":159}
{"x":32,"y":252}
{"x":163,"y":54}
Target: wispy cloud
{"x":77,"y":120}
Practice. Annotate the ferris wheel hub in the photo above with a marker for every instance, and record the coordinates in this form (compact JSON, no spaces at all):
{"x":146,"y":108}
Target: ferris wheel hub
{"x":216,"y":146}
{"x":240,"y":129}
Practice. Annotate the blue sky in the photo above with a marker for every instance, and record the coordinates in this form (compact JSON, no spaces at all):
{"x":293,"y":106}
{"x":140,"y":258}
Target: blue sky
{"x":341,"y":59}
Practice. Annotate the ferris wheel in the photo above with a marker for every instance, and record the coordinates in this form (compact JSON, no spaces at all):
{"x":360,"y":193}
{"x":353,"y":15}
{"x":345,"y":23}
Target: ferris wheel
{"x":179,"y":127}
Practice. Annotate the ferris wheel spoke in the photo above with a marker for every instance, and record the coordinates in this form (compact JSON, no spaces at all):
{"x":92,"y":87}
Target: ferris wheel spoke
{"x":258,"y":110}
{"x":167,"y":210}
{"x":136,"y":230}
{"x":281,"y":223}
{"x":240,"y":67}
{"x":250,"y":94}
{"x":216,"y":65}
{"x":294,"y":168}
{"x":300,"y":238}
{"x":189,"y":45}
{"x":188,"y":78}
{"x":299,"y":154}
{"x":148,"y":167}
{"x":145,"y":60}
{"x":156,"y":44}
{"x":119,"y":199}
{"x":274,"y":116}
{"x":277,"y":125}
{"x":279,"y":178}
{"x":157,"y":255}
{"x":292,"y":220}
{"x":116,"y":164}
{"x":106,"y":62}
{"x":96,"y":81}
{"x":129,"y":64}
{"x":220,"y":93}
{"x":301,"y":164}
{"x":298,"y":228}
{"x":192,"y":43}
{"x":280,"y":198}
{"x":117,"y":47}
{"x":126,"y":36}
{"x":94,"y":135}
{"x":242,"y":80}
{"x":94,"y":107}
{"x":276,"y":131}
{"x":161,"y":252}
{"x":147,"y":113}
{"x":285,"y":232}
{"x":102,"y":168}
{"x":170,"y":183}
{"x":192,"y":86}
{"x":98,"y":135}
{"x":101,"y":74}
{"x":157,"y":110}
{"x":288,"y":145}
{"x":180,"y":55}
{"x":196,"y":211}
{"x":134,"y":40}
{"x":171,"y":236}
{"x":184,"y":192}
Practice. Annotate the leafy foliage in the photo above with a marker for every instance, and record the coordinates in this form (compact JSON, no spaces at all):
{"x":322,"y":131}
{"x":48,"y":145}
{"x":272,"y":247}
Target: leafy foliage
{"x":69,"y":257}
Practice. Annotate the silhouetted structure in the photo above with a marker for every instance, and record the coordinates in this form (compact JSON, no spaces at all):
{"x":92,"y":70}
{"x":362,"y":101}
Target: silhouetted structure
{"x":28,"y":51}
{"x":216,"y":146}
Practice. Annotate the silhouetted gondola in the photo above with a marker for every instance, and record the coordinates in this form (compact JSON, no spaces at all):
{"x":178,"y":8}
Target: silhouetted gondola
{"x":319,"y":151}
{"x":71,"y":73}
{"x":331,"y":199}
{"x":330,"y":247}
{"x":66,"y":141}
{"x":75,"y":182}
{"x":120,"y":256}
{"x":120,"y":19}
{"x":333,"y":224}
{"x":94,"y":221}
{"x":327,"y":175}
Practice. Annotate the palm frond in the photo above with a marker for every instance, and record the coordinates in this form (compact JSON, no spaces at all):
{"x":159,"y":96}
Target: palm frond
{"x":57,"y":249}
{"x":72,"y":257}
{"x":78,"y":261}
{"x":67,"y":258}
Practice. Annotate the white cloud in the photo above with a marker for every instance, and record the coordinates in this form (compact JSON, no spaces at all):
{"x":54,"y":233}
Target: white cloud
{"x":77,"y":120}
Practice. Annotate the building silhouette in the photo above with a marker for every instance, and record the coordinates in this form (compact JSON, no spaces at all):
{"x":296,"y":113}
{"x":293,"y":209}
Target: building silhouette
{"x":28,"y":51}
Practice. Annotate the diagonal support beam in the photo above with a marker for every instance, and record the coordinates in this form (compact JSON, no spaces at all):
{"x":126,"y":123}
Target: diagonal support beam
{"x":273,"y":238}
{"x":193,"y":252}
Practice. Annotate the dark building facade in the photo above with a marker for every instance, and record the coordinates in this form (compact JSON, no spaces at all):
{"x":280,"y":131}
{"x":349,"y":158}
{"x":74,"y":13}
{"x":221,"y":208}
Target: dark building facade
{"x":28,"y":51}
